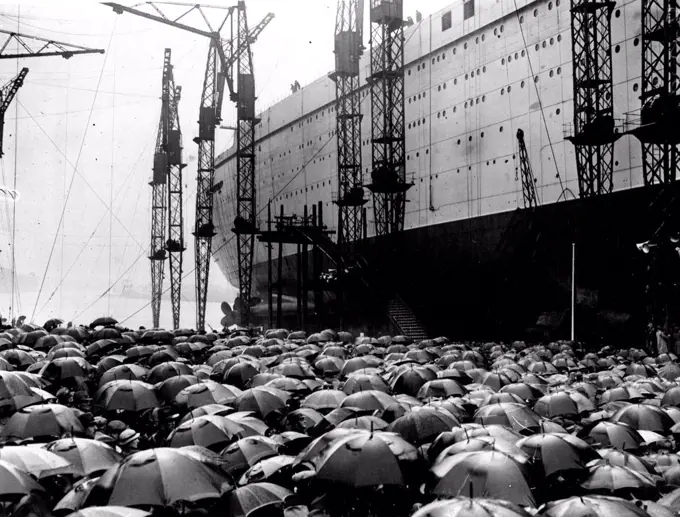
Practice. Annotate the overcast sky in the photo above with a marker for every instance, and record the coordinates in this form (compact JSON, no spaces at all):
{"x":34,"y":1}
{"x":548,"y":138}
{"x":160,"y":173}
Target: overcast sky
{"x":81,"y":135}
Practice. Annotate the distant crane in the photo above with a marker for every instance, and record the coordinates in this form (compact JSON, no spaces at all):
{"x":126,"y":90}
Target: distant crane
{"x":7,"y":93}
{"x":166,"y":198}
{"x":528,"y":181}
{"x":223,"y":56}
{"x":388,"y":144}
{"x":47,"y":47}
{"x":348,"y":49}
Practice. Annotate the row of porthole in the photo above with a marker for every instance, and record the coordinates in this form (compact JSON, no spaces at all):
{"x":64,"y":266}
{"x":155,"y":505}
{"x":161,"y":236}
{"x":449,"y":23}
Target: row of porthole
{"x":408,"y":156}
{"x":497,"y":31}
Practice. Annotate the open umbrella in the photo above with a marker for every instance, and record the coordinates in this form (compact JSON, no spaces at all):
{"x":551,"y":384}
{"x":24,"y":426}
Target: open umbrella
{"x":245,"y":500}
{"x":644,"y":417}
{"x":614,"y":434}
{"x":466,"y":507}
{"x":210,"y":431}
{"x":419,"y":427}
{"x":262,"y":400}
{"x":363,"y":458}
{"x":109,"y":511}
{"x":553,"y":454}
{"x":41,"y":420}
{"x":126,"y":395}
{"x":482,"y":474}
{"x":207,"y":392}
{"x":157,"y":477}
{"x":592,"y":505}
{"x":86,"y":456}
{"x":36,"y":461}
{"x":246,"y":452}
{"x":104,"y":321}
{"x":14,"y":481}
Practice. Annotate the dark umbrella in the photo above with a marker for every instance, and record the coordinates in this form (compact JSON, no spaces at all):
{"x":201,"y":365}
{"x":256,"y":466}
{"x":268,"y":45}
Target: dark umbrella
{"x":157,"y":477}
{"x":213,"y":432}
{"x":87,"y":456}
{"x":614,"y":434}
{"x":419,"y":427}
{"x":104,"y":321}
{"x":482,"y":474}
{"x":41,"y":420}
{"x":126,"y":395}
{"x":644,"y":417}
{"x":466,"y":507}
{"x":553,"y":454}
{"x":591,"y":506}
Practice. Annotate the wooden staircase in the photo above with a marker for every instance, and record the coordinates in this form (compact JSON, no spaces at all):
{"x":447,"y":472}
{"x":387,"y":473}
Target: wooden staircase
{"x":404,"y":319}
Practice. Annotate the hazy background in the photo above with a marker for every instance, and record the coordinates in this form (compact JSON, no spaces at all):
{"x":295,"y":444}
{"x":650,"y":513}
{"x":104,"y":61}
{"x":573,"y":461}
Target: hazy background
{"x":81,"y":135}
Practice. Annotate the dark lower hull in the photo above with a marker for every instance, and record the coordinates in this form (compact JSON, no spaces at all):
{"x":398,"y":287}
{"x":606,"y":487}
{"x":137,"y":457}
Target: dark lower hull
{"x":493,"y":277}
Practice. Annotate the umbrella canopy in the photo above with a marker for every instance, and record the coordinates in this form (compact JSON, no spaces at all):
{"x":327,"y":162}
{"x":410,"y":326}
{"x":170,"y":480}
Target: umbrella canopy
{"x":362,"y":458}
{"x":324,"y":400}
{"x":14,"y":481}
{"x":515,"y":416}
{"x":592,"y":505}
{"x":87,"y":457}
{"x":36,"y":461}
{"x":267,"y":469}
{"x":644,"y":417}
{"x":262,"y":400}
{"x":565,"y":404}
{"x":51,"y":420}
{"x":246,"y":452}
{"x":245,"y":500}
{"x":466,"y":507}
{"x":611,"y":434}
{"x":419,"y":427}
{"x":207,"y":392}
{"x":166,"y":370}
{"x":109,"y":511}
{"x":104,"y":321}
{"x":553,"y":454}
{"x":606,"y":478}
{"x":157,"y":477}
{"x":213,"y":432}
{"x":486,"y":473}
{"x":126,"y":395}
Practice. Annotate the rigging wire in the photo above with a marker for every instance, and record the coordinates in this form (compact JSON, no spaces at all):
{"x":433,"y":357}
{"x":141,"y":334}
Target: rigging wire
{"x":113,"y":153}
{"x":73,"y":176}
{"x":63,"y":193}
{"x":14,"y":183}
{"x":79,"y":174}
{"x":126,"y":183}
{"x":540,"y":105}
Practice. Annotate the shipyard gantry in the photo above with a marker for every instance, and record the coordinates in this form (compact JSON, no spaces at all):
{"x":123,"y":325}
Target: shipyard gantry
{"x":388,"y":140}
{"x":166,"y":198}
{"x":594,"y":128}
{"x":224,"y":55}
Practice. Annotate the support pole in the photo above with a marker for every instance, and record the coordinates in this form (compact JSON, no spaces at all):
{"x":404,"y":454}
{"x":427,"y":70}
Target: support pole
{"x":270,"y":287}
{"x":298,"y":258}
{"x":573,"y":291}
{"x":279,"y":281}
{"x":304,"y":279}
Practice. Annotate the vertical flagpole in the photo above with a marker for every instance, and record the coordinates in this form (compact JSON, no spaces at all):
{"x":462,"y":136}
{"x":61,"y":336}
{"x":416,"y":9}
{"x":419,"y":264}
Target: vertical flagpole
{"x":573,"y":290}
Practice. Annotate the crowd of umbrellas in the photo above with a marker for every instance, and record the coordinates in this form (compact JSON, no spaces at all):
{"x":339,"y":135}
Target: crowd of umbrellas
{"x":104,"y":421}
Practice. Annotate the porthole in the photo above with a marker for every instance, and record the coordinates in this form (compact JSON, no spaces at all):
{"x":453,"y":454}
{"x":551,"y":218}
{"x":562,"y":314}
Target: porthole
{"x":535,"y":13}
{"x":466,"y":77}
{"x":502,"y":91}
{"x":484,"y":69}
{"x":537,"y":47}
{"x":465,"y":45}
{"x":536,"y":79}
{"x":439,"y":88}
{"x":636,"y":42}
{"x":552,"y":41}
{"x":503,"y":61}
{"x":424,"y":94}
{"x":618,"y":13}
{"x":559,"y":36}
{"x":445,"y":86}
{"x":477,"y":40}
{"x":472,"y":74}
{"x":418,"y":67}
{"x":433,"y":61}
{"x":521,"y":19}
{"x":409,"y":100}
{"x":559,"y":70}
{"x":419,"y":96}
{"x":466,"y":103}
{"x":616,"y":163}
{"x":478,"y":71}
{"x":521,"y":84}
{"x":444,"y":56}
{"x":455,"y":81}
{"x":500,"y":129}
{"x":495,"y":31}
{"x":483,"y":98}
{"x":635,"y":87}
{"x":459,"y":141}
{"x":617,"y":48}
{"x":509,"y":59}
{"x":477,"y":100}
{"x":545,"y":44}
{"x":439,"y":115}
{"x":470,"y":138}
{"x":509,"y":89}
{"x":444,"y":113}
{"x":522,"y":53}
{"x":551,"y":73}
{"x":550,"y":6}
{"x":483,"y":37}
{"x":558,"y":111}
{"x":438,"y":58}
{"x":409,"y":125}
{"x":557,"y":3}
{"x":454,"y":51}
{"x":482,"y":134}
{"x":454,"y":109}
{"x":501,"y":28}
